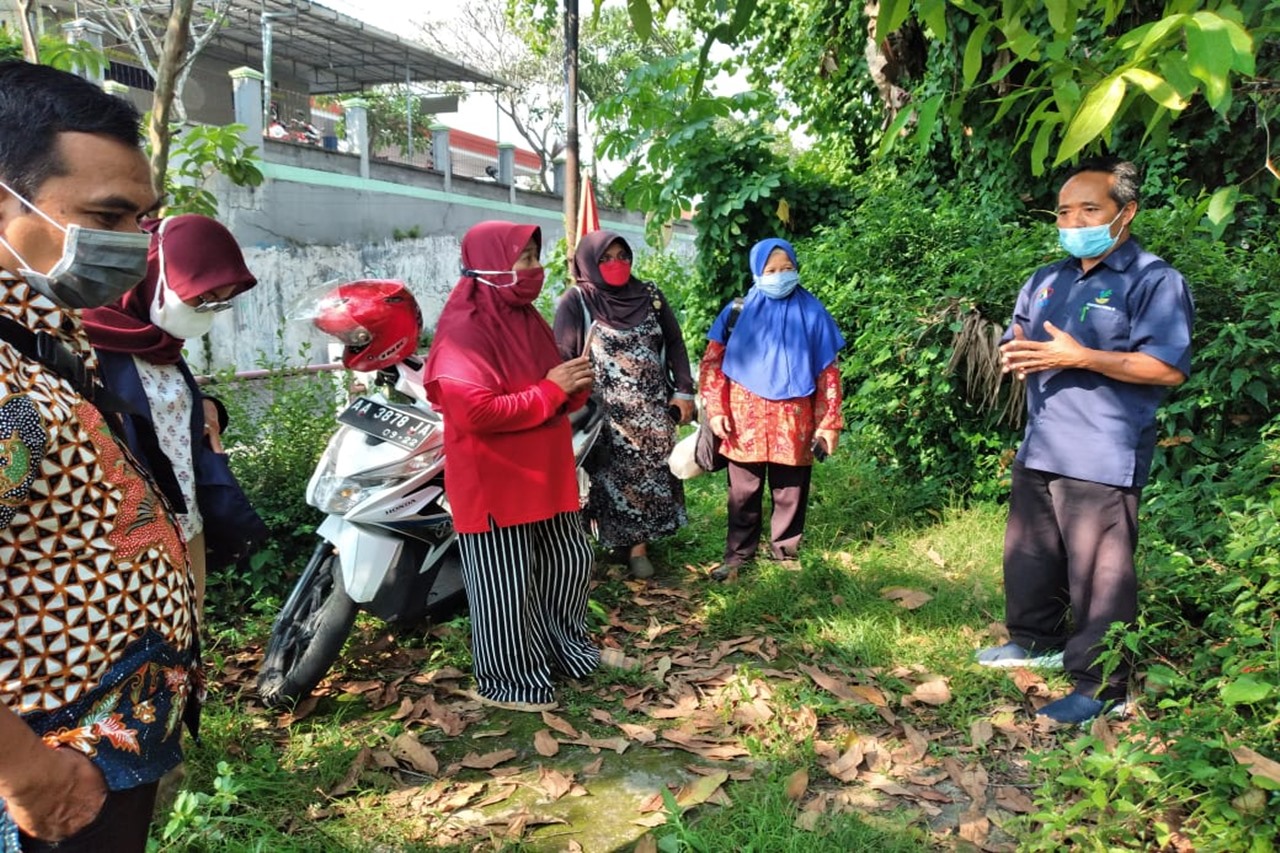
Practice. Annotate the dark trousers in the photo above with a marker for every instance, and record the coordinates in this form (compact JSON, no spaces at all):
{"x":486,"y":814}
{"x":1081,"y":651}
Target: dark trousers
{"x":789,"y":490}
{"x":121,"y":827}
{"x":1068,"y":564}
{"x":527,"y":592}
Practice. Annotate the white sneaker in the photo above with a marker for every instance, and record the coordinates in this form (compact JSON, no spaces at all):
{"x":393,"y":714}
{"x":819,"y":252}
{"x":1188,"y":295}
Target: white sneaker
{"x":1012,"y":655}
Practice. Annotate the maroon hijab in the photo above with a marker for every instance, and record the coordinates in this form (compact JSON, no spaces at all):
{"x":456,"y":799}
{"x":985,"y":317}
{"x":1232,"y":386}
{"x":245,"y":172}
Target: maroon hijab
{"x":200,"y":255}
{"x":617,"y":307}
{"x":485,"y":337}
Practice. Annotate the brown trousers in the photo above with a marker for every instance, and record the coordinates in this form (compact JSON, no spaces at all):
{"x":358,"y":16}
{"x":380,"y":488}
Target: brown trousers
{"x":789,"y":491}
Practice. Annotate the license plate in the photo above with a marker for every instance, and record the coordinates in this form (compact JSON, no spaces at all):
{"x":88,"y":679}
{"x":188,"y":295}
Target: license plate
{"x":389,"y":423}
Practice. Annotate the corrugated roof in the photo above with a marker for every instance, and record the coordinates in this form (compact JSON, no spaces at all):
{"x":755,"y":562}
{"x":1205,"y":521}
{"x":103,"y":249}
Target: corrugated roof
{"x":332,"y":52}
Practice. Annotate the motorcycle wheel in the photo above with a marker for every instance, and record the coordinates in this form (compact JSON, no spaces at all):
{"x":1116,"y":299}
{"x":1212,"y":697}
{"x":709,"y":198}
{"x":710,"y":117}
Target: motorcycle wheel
{"x":309,"y":632}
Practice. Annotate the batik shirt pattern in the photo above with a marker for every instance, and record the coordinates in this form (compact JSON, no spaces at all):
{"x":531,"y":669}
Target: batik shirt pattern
{"x":97,"y":626}
{"x":777,"y":431}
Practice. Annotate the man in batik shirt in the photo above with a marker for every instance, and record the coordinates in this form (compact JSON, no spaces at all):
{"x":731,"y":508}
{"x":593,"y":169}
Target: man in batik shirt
{"x":97,"y":628}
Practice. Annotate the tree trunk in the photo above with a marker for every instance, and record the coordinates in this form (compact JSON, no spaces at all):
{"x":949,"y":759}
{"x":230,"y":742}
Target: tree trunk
{"x":30,"y":47}
{"x":571,"y":124}
{"x":175,"y":48}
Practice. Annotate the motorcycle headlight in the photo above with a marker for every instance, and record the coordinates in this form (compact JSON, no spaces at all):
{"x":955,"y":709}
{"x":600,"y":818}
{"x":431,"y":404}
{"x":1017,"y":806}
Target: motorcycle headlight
{"x":337,"y":495}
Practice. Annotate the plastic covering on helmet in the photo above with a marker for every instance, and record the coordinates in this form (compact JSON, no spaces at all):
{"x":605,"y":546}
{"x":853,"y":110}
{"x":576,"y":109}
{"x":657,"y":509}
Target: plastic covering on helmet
{"x":377,"y":320}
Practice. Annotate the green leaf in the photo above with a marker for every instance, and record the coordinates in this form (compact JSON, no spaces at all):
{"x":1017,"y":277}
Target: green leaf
{"x":1152,"y":35}
{"x":1241,"y":41}
{"x":742,"y":15}
{"x":1221,"y":212}
{"x":973,"y":53}
{"x":1058,"y":12}
{"x":892,"y":14}
{"x":890,"y":137}
{"x":927,"y":118}
{"x":1245,"y":690}
{"x":1093,"y":117}
{"x":1157,"y":88}
{"x":1209,"y":58}
{"x":934,"y":14}
{"x":1040,"y":148}
{"x":641,"y":18}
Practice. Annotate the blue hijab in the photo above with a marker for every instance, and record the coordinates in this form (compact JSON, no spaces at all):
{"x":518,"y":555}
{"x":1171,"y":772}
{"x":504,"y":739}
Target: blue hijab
{"x":778,"y":346}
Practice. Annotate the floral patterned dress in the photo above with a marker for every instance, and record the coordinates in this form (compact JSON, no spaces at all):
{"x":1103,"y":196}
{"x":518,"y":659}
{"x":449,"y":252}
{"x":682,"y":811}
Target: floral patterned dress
{"x":633,"y":496}
{"x":779,"y":431}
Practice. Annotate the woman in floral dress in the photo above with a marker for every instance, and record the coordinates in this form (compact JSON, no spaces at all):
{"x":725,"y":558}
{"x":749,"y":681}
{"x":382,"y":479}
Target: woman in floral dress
{"x":772,"y":394}
{"x":645,"y":383}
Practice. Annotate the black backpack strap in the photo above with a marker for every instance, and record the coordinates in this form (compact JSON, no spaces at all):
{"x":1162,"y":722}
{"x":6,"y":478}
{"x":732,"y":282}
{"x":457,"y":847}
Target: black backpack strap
{"x":44,"y":348}
{"x":734,"y":313}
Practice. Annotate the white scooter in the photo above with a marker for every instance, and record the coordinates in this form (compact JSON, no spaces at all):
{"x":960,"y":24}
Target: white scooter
{"x":387,"y":545}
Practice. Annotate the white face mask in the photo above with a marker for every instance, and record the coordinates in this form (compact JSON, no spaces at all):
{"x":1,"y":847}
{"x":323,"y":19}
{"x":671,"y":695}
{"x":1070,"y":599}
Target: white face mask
{"x":174,"y":316}
{"x":96,"y":268}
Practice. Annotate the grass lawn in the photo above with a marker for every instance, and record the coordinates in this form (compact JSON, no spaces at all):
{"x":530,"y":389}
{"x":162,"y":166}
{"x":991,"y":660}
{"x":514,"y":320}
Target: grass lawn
{"x":829,"y":707}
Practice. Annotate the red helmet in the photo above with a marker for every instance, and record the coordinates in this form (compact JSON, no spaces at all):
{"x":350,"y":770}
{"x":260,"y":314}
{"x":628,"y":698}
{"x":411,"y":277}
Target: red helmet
{"x":377,"y":319}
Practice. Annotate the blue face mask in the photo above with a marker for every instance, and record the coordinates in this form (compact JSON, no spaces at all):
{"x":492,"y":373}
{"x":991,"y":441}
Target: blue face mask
{"x":778,"y":285}
{"x":1088,"y":242}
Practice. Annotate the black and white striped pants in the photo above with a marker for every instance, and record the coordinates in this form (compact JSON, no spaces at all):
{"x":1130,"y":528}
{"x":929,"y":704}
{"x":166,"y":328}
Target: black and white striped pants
{"x":527,"y":592}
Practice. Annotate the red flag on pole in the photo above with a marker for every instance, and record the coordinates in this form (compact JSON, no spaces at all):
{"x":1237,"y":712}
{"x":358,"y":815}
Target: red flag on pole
{"x":588,"y":216}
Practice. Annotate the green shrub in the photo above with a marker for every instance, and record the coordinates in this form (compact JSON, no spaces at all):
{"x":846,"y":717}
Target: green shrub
{"x":279,"y":426}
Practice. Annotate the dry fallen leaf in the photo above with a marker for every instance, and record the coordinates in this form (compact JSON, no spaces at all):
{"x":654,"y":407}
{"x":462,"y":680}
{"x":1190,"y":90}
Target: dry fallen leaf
{"x":908,"y":598}
{"x":349,"y":779}
{"x":919,"y":747}
{"x":636,"y":732}
{"x":651,"y":820}
{"x":1258,"y":764}
{"x":974,"y":827}
{"x":700,"y":790}
{"x":593,"y":769}
{"x":1101,"y":729}
{"x":845,"y":768}
{"x":936,"y":558}
{"x":554,"y":783}
{"x":832,"y":685}
{"x":1011,"y":799}
{"x":617,"y":744}
{"x":1029,"y":682}
{"x":559,"y":724}
{"x":545,"y":743}
{"x":933,"y":692}
{"x":488,"y":760}
{"x":980,"y":732}
{"x":646,"y":844}
{"x":797,"y":784}
{"x":685,"y":705}
{"x":407,"y":748}
{"x":811,"y":814}
{"x":500,"y":793}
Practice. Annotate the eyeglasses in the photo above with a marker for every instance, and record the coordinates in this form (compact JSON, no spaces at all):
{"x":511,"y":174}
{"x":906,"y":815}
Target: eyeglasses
{"x":622,"y":256}
{"x":211,"y":305}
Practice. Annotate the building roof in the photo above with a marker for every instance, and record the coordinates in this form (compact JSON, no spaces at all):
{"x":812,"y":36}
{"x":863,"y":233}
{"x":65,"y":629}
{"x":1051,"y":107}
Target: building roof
{"x":332,"y":52}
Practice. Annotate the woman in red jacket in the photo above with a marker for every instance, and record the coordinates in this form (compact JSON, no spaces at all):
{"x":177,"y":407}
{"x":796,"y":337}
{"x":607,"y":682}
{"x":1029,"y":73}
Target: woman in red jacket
{"x":496,"y":376}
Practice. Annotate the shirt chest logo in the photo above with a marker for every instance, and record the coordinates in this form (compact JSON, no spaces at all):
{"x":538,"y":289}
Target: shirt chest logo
{"x":1099,"y":302}
{"x":1043,"y":297}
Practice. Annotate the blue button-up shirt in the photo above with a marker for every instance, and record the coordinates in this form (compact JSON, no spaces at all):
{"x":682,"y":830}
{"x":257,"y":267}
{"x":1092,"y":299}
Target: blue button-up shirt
{"x":1082,"y":424}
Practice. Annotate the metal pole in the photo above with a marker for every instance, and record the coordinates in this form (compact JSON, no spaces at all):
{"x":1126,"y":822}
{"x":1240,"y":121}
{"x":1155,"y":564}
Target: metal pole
{"x":571,"y":124}
{"x":408,"y":111}
{"x":266,"y":71}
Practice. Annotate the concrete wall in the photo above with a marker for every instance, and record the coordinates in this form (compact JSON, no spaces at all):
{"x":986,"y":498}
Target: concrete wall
{"x":306,"y":226}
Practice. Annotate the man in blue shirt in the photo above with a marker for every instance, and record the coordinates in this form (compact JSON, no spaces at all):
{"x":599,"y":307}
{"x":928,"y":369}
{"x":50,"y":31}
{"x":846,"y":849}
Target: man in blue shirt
{"x":1099,"y":338}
